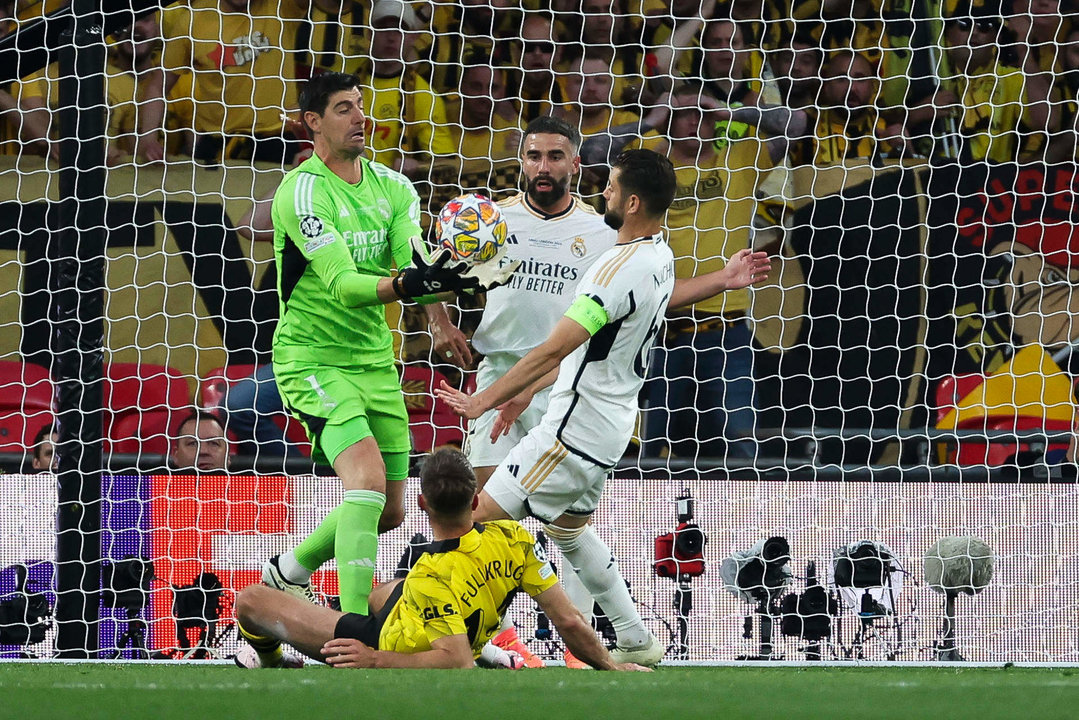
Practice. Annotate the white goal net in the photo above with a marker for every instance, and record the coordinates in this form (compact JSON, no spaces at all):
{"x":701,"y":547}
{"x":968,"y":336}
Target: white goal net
{"x":902,"y":378}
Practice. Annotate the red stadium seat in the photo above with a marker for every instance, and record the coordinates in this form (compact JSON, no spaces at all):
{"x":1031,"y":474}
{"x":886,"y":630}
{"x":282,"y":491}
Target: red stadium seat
{"x":950,"y":392}
{"x":996,"y":454}
{"x":213,"y":387}
{"x":212,"y":392}
{"x":143,"y":404}
{"x":25,"y":404}
{"x":431,"y":422}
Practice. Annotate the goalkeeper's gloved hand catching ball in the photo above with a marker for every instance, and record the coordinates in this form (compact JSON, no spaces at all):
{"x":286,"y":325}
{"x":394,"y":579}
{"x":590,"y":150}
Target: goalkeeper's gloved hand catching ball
{"x":442,"y":273}
{"x":438,"y":274}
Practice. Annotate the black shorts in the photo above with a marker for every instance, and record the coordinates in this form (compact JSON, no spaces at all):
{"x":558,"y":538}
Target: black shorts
{"x":366,"y":628}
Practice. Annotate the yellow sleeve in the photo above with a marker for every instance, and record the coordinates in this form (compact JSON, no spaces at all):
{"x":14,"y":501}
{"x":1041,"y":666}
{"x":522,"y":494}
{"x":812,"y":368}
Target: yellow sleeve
{"x":437,"y":607}
{"x":176,"y":39}
{"x":538,"y":575}
{"x":432,"y":128}
{"x":36,"y":86}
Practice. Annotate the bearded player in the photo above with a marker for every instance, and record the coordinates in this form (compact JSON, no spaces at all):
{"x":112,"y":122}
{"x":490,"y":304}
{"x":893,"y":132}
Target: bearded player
{"x":597,"y":356}
{"x":557,"y":237}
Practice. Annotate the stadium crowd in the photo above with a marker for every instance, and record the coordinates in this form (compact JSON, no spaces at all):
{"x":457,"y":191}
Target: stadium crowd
{"x":736,"y":94}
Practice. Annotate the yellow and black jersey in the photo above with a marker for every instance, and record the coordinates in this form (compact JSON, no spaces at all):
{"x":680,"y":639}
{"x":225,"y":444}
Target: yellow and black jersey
{"x":462,"y":587}
{"x":242,"y":63}
{"x":462,"y":36}
{"x":487,"y":158}
{"x":44,"y":86}
{"x":995,"y":122}
{"x":712,"y":215}
{"x":332,"y":42}
{"x":408,"y":116}
{"x":839,"y":137}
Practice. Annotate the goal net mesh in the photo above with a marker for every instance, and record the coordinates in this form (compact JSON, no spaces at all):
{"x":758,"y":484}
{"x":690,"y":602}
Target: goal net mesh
{"x":902,"y":377}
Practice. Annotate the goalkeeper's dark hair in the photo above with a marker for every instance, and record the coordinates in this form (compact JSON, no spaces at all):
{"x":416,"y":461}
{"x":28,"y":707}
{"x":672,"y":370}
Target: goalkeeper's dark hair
{"x":447,"y":483}
{"x":550,"y":125}
{"x":316,"y":92}
{"x":649,"y":176}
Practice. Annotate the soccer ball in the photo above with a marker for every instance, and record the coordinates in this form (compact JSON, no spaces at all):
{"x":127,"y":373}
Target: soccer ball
{"x":472,"y":228}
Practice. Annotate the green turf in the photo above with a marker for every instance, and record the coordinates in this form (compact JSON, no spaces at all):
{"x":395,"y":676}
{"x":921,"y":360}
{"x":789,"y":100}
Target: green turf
{"x":196,"y":691}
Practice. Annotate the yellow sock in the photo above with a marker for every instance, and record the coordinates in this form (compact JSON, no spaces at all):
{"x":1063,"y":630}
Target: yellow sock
{"x":267,"y":648}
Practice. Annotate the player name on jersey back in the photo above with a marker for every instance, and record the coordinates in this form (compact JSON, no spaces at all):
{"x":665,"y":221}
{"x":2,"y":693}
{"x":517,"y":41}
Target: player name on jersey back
{"x":554,"y":251}
{"x":593,"y":404}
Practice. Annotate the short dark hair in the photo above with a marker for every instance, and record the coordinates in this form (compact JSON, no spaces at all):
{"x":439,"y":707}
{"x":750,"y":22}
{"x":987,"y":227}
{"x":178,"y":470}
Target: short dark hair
{"x":550,"y":125}
{"x":197,"y":416}
{"x":45,"y":433}
{"x":316,"y":93}
{"x":447,"y":483}
{"x":649,"y":176}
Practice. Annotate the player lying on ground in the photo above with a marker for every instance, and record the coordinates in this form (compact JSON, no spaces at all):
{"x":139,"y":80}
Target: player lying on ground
{"x":602,"y":343}
{"x":443,"y":613}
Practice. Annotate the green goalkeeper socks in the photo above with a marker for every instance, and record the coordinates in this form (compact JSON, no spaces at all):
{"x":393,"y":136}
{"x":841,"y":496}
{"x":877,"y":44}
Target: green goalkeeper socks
{"x":356,"y":546}
{"x":317,"y":548}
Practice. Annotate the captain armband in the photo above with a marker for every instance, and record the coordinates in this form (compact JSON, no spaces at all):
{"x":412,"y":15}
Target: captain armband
{"x":587,"y":311}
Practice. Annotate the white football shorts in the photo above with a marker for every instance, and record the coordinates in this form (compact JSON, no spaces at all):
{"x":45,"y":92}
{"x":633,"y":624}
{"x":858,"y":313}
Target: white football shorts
{"x":479,"y":449}
{"x":541,"y":478}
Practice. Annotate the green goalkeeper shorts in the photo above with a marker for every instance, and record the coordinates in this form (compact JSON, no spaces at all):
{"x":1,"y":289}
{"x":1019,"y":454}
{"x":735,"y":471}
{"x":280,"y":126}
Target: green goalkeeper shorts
{"x":353,"y":404}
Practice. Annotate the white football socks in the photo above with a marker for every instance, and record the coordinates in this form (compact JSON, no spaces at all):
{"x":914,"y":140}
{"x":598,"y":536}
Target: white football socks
{"x":598,"y":572}
{"x":292,"y":570}
{"x":578,"y":593}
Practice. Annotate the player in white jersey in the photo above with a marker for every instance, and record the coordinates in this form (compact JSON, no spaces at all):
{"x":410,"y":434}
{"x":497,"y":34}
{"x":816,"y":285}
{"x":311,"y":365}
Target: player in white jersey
{"x":598,"y":351}
{"x":557,"y":237}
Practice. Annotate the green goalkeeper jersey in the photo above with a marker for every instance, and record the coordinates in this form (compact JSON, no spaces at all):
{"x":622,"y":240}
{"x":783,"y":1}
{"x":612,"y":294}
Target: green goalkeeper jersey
{"x":332,"y":242}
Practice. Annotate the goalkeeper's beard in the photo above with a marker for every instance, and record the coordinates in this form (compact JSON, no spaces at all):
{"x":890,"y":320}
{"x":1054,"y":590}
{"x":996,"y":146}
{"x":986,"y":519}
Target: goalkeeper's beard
{"x":547,"y":198}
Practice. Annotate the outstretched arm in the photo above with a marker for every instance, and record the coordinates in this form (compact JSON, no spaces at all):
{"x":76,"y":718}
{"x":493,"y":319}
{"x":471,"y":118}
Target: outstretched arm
{"x":578,"y":634}
{"x":744,"y":269}
{"x":566,"y":337}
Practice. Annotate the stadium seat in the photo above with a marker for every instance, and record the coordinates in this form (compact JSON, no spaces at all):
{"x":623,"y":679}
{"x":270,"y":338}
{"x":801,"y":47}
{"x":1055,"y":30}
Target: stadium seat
{"x":143,"y":404}
{"x":25,"y":404}
{"x":215,"y":385}
{"x":1029,"y":392}
{"x":431,"y":421}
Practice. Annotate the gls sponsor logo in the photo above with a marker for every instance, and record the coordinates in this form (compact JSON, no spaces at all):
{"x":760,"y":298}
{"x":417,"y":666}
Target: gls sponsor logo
{"x":431,"y":613}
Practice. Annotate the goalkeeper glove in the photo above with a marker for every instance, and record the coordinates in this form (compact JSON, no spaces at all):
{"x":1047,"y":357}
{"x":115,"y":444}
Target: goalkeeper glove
{"x":429,"y":277}
{"x":492,"y":273}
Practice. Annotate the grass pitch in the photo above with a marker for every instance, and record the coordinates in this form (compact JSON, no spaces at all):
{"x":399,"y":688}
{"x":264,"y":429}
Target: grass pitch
{"x":193,"y":690}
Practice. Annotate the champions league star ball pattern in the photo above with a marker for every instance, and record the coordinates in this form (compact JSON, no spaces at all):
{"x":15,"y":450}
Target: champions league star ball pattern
{"x":472,"y":228}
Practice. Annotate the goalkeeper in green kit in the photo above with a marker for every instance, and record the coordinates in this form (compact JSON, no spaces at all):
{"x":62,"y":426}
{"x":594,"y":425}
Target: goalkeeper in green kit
{"x":346,"y":243}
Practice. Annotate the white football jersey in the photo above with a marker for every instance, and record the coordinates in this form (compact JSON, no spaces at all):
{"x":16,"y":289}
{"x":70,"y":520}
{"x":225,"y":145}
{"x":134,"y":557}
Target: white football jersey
{"x":555,"y":250}
{"x":593,"y":404}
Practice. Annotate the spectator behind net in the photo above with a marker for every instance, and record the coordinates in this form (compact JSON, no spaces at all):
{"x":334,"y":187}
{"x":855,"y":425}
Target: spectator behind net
{"x":200,"y":444}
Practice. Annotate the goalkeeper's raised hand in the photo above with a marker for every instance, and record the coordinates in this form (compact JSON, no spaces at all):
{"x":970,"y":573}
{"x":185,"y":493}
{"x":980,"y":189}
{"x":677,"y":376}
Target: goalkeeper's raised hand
{"x":438,"y":274}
